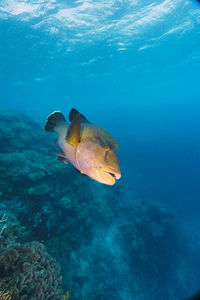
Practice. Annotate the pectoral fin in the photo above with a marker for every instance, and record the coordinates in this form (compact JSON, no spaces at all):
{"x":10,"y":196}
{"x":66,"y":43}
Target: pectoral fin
{"x":63,"y":159}
{"x":73,"y":133}
{"x":61,"y":156}
{"x":59,"y":153}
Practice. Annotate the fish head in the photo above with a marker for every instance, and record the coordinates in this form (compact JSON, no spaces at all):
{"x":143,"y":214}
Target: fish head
{"x":98,"y":160}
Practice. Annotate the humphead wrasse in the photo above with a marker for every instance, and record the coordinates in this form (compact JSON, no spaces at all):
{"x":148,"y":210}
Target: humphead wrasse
{"x":89,"y":148}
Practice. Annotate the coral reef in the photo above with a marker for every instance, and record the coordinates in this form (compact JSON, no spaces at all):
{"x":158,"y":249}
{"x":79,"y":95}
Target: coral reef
{"x":109,"y":244}
{"x":146,"y":241}
{"x":26,"y":269}
{"x":12,"y":231}
{"x":27,"y":272}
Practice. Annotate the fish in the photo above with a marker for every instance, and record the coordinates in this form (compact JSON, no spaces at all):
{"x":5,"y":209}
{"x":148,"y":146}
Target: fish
{"x":67,"y":295}
{"x":89,"y":148}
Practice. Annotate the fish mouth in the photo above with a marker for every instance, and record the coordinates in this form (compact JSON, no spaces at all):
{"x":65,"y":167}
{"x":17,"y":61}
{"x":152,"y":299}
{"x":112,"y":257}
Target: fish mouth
{"x":114,"y":175}
{"x":110,"y":176}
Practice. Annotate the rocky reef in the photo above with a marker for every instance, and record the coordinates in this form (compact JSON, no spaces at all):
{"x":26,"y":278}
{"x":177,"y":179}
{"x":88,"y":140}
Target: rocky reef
{"x":109,"y":244}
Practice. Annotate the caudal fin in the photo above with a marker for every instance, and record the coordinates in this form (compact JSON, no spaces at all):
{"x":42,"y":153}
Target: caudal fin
{"x":55,"y":119}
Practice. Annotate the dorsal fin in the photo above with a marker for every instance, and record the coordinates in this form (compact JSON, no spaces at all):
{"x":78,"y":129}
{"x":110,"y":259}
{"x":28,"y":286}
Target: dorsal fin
{"x":73,"y":114}
{"x":73,"y":133}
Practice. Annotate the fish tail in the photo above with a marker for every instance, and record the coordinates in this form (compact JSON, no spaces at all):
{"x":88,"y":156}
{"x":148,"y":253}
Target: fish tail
{"x":55,"y":119}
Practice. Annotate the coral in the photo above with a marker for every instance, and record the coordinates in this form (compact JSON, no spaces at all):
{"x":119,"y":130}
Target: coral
{"x":39,"y":190}
{"x":26,"y":269}
{"x":27,"y":165}
{"x":5,"y":295}
{"x":2,"y":224}
{"x":27,"y":272}
{"x":17,"y":131}
{"x":6,"y":289}
{"x":13,"y":232}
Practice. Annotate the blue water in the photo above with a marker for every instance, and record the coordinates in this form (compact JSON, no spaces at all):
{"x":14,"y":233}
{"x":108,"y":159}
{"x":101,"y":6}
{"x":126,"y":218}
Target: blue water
{"x":132,"y":67}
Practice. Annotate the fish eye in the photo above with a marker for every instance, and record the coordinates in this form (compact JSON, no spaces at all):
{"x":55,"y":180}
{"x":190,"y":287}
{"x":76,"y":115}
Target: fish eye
{"x":107,"y":148}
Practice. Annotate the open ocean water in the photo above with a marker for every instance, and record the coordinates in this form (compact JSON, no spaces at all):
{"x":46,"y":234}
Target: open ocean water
{"x":131,"y":67}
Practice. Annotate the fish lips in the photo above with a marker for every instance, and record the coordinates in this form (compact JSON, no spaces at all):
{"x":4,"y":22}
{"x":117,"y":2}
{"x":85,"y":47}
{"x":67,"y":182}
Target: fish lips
{"x":109,"y":176}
